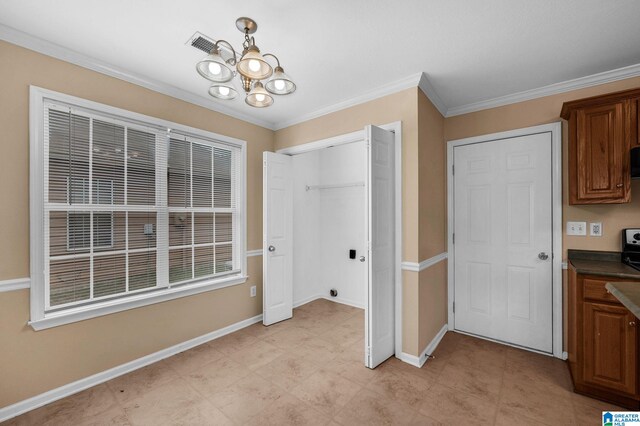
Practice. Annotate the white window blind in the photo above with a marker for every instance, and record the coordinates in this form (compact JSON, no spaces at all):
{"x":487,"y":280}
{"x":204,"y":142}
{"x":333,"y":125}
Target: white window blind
{"x":202,"y":209}
{"x":100,"y":207}
{"x":128,"y":210}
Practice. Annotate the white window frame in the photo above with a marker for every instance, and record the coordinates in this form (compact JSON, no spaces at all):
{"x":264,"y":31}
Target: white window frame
{"x":40,"y":319}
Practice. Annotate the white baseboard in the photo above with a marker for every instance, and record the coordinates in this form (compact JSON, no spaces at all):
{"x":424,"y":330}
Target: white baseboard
{"x":409,"y":359}
{"x":329,"y":298}
{"x":306,"y":300}
{"x":48,"y":397}
{"x":344,"y":301}
{"x":424,"y":355}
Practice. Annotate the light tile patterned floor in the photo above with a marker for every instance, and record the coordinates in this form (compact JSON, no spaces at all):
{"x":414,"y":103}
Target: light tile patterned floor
{"x":309,"y":370}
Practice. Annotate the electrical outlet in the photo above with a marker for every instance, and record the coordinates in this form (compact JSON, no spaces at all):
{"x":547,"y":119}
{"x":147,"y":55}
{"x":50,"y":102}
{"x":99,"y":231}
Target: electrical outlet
{"x":253,"y":291}
{"x":595,"y":229}
{"x":576,"y":228}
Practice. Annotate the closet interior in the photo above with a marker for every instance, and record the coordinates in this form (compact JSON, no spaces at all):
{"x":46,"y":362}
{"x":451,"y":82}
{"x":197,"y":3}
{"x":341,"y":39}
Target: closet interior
{"x":329,"y":233}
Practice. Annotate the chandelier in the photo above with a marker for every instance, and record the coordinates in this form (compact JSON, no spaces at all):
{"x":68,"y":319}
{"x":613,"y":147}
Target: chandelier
{"x":252,"y":68}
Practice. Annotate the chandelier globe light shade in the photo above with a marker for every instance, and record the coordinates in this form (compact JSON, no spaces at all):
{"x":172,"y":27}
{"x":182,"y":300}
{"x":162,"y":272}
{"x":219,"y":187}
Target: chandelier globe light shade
{"x":258,"y":97}
{"x":214,"y":68}
{"x":280,"y":83}
{"x":224,"y":91}
{"x":259,"y":79}
{"x":253,"y":65}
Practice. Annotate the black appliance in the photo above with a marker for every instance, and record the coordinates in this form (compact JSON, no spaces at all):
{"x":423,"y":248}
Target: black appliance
{"x":631,"y":247}
{"x":635,"y":163}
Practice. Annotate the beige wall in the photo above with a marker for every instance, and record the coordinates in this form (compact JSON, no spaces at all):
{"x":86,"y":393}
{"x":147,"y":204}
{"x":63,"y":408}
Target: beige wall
{"x":432,"y":298}
{"x":34,"y":362}
{"x":433,"y":201}
{"x":546,"y":110}
{"x":432,"y":314}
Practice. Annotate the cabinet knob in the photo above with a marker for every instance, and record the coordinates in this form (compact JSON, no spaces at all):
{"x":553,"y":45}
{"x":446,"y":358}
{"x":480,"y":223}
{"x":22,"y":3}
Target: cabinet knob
{"x":619,"y":185}
{"x":632,"y":323}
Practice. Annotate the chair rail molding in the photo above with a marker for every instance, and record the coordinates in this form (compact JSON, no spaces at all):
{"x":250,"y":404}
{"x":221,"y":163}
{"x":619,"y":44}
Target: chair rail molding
{"x":427,"y":263}
{"x":15,"y":284}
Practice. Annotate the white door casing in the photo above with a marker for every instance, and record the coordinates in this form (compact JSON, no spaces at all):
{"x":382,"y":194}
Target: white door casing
{"x":277,"y":248}
{"x":380,"y":325}
{"x":503,"y":227}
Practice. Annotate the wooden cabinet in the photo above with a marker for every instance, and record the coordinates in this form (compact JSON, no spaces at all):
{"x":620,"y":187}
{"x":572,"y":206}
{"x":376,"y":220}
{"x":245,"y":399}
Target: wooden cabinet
{"x":603,"y":342}
{"x":610,"y":347}
{"x":634,"y":121}
{"x":602,"y":130}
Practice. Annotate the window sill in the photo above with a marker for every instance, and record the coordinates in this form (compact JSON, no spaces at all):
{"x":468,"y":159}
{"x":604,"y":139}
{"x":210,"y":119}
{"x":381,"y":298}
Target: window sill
{"x":113,"y":306}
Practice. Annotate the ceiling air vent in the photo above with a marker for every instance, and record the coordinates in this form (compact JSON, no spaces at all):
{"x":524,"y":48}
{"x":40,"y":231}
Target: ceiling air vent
{"x":205,"y":44}
{"x":200,"y":42}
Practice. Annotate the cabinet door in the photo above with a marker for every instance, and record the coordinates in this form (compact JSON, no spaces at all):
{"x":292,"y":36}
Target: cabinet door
{"x":609,"y":347}
{"x":599,"y":150}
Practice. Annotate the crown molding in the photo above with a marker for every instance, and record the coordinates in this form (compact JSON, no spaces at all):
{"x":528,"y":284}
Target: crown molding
{"x":384,"y":90}
{"x":552,"y":89}
{"x":420,"y":80}
{"x":430,"y":92}
{"x":45,"y":47}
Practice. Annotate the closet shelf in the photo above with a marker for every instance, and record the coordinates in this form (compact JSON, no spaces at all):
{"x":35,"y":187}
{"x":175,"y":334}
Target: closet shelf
{"x":339,"y":185}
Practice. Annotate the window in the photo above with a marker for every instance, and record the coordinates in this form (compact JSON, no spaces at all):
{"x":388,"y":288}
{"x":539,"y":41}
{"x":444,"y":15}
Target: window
{"x":130,"y":211}
{"x":78,"y":230}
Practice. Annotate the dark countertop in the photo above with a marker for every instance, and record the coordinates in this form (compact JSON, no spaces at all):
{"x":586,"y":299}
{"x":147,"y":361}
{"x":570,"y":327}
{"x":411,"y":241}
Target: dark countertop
{"x":604,"y":263}
{"x":628,"y":294}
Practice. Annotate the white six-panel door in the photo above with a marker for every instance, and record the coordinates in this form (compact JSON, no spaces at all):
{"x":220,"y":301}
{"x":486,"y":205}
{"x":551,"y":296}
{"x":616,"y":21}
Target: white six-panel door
{"x":503,"y":240}
{"x":380,"y":323}
{"x":277,"y":238}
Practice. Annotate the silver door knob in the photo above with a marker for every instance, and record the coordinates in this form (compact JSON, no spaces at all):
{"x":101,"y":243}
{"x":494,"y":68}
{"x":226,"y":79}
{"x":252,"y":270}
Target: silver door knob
{"x":272,"y":248}
{"x":362,"y":259}
{"x":543,"y":256}
{"x":632,"y":323}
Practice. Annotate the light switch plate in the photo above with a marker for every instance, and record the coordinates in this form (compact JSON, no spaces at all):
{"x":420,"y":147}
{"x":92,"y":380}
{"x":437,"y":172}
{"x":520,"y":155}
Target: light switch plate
{"x":577,"y":228}
{"x":595,"y":229}
{"x":252,"y":292}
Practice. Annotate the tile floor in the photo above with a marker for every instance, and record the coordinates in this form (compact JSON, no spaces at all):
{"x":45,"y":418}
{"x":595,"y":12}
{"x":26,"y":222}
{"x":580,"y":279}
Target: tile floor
{"x":309,"y":370}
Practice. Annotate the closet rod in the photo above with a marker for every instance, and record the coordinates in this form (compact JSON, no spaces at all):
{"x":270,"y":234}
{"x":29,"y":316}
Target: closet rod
{"x":341,"y":185}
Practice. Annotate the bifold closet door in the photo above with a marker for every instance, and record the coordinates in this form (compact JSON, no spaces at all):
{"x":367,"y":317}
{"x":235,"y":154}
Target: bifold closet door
{"x":380,"y":322}
{"x":277,"y":244}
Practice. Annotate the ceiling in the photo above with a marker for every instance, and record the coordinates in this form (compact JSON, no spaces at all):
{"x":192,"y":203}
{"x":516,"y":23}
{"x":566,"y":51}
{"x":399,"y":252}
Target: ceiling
{"x":337,"y":50}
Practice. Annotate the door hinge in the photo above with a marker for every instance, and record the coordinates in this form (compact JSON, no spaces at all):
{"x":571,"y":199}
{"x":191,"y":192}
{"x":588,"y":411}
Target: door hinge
{"x":453,"y":238}
{"x":368,"y":351}
{"x":453,"y":169}
{"x":454,"y":307}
